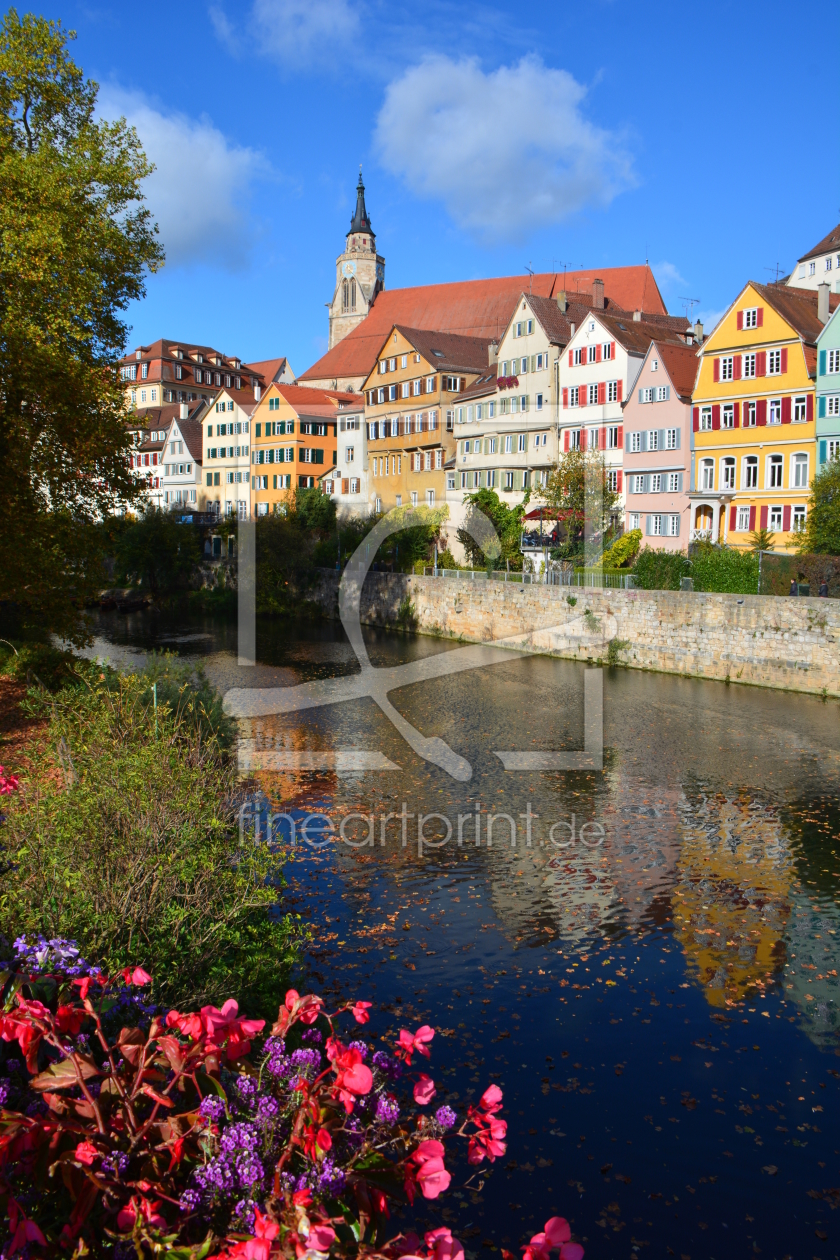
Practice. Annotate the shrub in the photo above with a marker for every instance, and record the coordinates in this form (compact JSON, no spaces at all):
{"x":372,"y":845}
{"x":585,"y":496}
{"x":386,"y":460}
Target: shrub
{"x":40,"y":663}
{"x":660,"y":570}
{"x":167,"y":1133}
{"x":133,"y":847}
{"x":623,"y":551}
{"x":723,"y":569}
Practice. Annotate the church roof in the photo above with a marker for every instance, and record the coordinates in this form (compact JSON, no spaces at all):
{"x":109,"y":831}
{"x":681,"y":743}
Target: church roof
{"x":360,"y":221}
{"x":475,"y":308}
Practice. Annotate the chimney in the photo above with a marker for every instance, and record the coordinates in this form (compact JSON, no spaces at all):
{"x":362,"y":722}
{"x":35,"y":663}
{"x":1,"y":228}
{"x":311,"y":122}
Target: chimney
{"x":698,"y":333}
{"x":185,"y":411}
{"x":637,"y":315}
{"x":257,"y":391}
{"x":823,"y":291}
{"x":598,"y":294}
{"x":493,"y":353}
{"x":561,"y":300}
{"x":572,"y":328}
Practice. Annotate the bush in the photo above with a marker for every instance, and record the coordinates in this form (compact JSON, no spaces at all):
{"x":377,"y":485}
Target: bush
{"x":132,"y":846}
{"x":623,"y":551}
{"x":39,"y":663}
{"x":157,"y":552}
{"x":723,"y":569}
{"x":660,"y":570}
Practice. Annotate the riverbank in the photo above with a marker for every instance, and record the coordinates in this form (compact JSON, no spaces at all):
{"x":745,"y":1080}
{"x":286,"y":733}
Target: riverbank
{"x":762,"y":640}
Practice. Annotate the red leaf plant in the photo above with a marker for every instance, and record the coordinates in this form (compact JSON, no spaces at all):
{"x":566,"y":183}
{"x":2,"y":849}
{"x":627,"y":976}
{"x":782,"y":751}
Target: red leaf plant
{"x":125,"y":1130}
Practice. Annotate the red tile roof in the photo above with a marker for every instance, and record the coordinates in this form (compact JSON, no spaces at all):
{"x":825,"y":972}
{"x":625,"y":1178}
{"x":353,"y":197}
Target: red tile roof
{"x":304,"y":395}
{"x":193,"y":433}
{"x":448,"y":350}
{"x":681,"y":364}
{"x":268,"y":369}
{"x":828,"y":243}
{"x":636,"y":335}
{"x":798,"y":307}
{"x":475,"y":308}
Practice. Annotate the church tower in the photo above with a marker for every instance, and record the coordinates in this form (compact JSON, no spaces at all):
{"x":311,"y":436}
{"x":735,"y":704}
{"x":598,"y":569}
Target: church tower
{"x":359,"y":273}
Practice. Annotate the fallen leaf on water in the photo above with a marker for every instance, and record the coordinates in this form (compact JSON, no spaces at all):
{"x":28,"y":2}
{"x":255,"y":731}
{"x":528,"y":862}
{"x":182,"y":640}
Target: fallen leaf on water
{"x":770,"y":1169}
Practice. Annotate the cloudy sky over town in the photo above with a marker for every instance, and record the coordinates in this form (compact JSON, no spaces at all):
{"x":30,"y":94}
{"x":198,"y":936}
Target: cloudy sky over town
{"x":492,"y":139}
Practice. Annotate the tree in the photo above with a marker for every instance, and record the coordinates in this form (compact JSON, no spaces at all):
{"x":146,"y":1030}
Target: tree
{"x":578,"y":491}
{"x":75,"y":244}
{"x":821,"y":535}
{"x":507,"y":523}
{"x":762,"y":540}
{"x":158,"y":552}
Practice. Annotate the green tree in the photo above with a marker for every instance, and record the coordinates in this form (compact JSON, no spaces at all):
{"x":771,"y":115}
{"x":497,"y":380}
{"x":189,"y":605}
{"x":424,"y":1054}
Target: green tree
{"x":158,"y":552}
{"x":762,"y":540}
{"x":507,"y":523}
{"x":578,"y":490}
{"x":821,"y":535}
{"x":75,"y":244}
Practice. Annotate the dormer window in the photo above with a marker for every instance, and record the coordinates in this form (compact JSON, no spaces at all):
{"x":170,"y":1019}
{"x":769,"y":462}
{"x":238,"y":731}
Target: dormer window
{"x":199,"y":358}
{"x":137,"y":354}
{"x":654,"y":365}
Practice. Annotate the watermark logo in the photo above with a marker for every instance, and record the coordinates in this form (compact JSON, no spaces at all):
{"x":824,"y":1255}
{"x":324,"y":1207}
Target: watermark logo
{"x":376,"y":683}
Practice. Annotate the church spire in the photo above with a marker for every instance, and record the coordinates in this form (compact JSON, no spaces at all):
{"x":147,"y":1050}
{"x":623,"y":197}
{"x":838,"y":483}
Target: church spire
{"x":360,"y":221}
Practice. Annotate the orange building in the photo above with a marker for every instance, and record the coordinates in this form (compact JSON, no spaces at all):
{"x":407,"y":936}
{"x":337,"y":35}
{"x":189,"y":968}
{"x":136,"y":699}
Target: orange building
{"x":293,"y":441}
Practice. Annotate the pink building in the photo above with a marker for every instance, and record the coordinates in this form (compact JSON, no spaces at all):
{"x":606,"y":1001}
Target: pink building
{"x":658,"y":446}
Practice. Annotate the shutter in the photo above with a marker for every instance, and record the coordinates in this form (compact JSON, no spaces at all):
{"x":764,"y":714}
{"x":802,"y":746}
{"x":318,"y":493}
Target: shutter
{"x":784,"y":359}
{"x":602,"y":440}
{"x":602,"y":392}
{"x":822,"y":362}
{"x":345,"y":485}
{"x":627,"y":443}
{"x":717,"y":370}
{"x":620,"y":390}
{"x":667,"y":393}
{"x":823,"y":449}
{"x":695,"y":419}
{"x":571,"y":358}
{"x":761,"y":363}
{"x":620,"y":477}
{"x":740,"y":318}
{"x":761,"y":411}
{"x":763,"y":516}
{"x":737,"y":360}
{"x":661,"y":439}
{"x":809,"y":408}
{"x":598,"y":353}
{"x":565,"y":439}
{"x":733,"y":517}
{"x":641,"y":395}
{"x":582,"y":396}
{"x":821,"y":410}
{"x":583,"y":439}
{"x":620,"y":441}
{"x":737,"y":415}
{"x":647,"y":524}
{"x":786,"y":409}
{"x":760,"y":317}
{"x":752,"y":517}
{"x":565,"y":397}
{"x":679,"y":483}
{"x":716,"y":416}
{"x":786,"y":519}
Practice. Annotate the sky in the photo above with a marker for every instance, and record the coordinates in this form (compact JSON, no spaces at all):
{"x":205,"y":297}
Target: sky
{"x":492,"y":139}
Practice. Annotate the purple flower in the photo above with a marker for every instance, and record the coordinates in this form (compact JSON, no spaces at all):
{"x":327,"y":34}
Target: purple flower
{"x":246,"y":1088}
{"x":445,"y":1117}
{"x":115,"y":1164}
{"x":361,"y":1047}
{"x":312,"y":1037}
{"x":249,"y":1169}
{"x":387,"y":1109}
{"x":389,"y":1066}
{"x":189,"y":1201}
{"x":212,"y":1108}
{"x":331,"y":1180}
{"x":238,"y":1137}
{"x":267,"y":1107}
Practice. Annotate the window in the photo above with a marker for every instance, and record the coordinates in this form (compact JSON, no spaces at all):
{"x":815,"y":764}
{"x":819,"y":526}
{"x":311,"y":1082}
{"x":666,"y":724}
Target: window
{"x":404,"y":389}
{"x":607,"y":350}
{"x":728,"y":473}
{"x":672,"y":439}
{"x":612,"y":480}
{"x":828,"y":263}
{"x":743,"y":519}
{"x":539,"y":402}
{"x":655,"y":524}
{"x":707,"y":474}
{"x":415,"y":387}
{"x":776,"y":518}
{"x":508,"y":443}
{"x":612,"y":391}
{"x":834,"y":450}
{"x":508,"y":480}
{"x":726,"y":368}
{"x":705,"y":419}
{"x":749,"y":415}
{"x":593,"y":395}
{"x":656,"y":483}
{"x":833,"y":362}
{"x":392,"y":393}
{"x":591,"y":354}
{"x":591,"y":439}
{"x":751,"y":317}
{"x":674,"y":525}
{"x":774,"y":362}
{"x":574,"y":396}
{"x":812,"y":269}
{"x":578,"y":358}
{"x":653,"y":440}
{"x":800,"y":409}
{"x":523,"y":442}
{"x":612,"y":437}
{"x":775,"y":467}
{"x":635,"y":441}
{"x":799,"y":516}
{"x":800,"y":472}
{"x":349,"y":454}
{"x":633,"y":520}
{"x":832,"y":405}
{"x":775,"y":411}
{"x":430,"y":384}
{"x":748,"y":365}
{"x":646,"y":395}
{"x":414,"y":498}
{"x":728,"y":416}
{"x":674,"y":482}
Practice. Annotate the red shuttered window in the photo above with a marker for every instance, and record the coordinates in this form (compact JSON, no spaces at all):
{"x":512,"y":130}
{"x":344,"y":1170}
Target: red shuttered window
{"x":565,"y":439}
{"x":760,"y":316}
{"x":620,"y":390}
{"x":733,"y":516}
{"x":620,"y":442}
{"x":619,"y":480}
{"x":761,"y":361}
{"x":565,"y":398}
{"x":716,"y":416}
{"x":809,"y":408}
{"x":786,"y":409}
{"x":571,"y":358}
{"x":717,"y":369}
{"x":740,"y":319}
{"x":786,"y":518}
{"x":695,"y":419}
{"x":737,"y":413}
{"x":736,"y":367}
{"x":602,"y":440}
{"x":784,"y":359}
{"x":602,"y":390}
{"x":761,"y":413}
{"x":752,"y":518}
{"x":763,"y":517}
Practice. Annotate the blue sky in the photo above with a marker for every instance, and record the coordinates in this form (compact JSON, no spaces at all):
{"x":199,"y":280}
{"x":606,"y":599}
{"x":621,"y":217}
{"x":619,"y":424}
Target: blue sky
{"x":492,"y":138}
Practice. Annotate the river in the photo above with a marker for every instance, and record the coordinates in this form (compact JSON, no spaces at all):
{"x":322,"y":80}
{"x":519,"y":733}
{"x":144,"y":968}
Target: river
{"x":652,"y":981}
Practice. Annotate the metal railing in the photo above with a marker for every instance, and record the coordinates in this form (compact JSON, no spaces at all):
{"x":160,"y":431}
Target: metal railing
{"x":554,"y":577}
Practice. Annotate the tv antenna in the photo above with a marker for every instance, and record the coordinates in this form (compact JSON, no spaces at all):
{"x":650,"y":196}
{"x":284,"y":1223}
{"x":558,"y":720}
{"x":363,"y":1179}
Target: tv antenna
{"x":530,"y":271}
{"x":774,"y":271}
{"x":688,"y":305}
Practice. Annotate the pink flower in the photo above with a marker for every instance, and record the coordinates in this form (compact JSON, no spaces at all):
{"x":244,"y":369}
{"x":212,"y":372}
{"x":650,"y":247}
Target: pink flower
{"x":258,"y":1247}
{"x":360,"y":1012}
{"x":424,"y":1090}
{"x":419,"y":1041}
{"x":9,"y":783}
{"x":352,"y":1078}
{"x":554,"y":1237}
{"x":442,"y":1246}
{"x":425,"y":1169}
{"x":86,"y":1153}
{"x":488,"y":1142}
{"x":84,"y":986}
{"x":320,"y":1237}
{"x":307,"y":1008}
{"x":491,"y":1099}
{"x":136,"y":975}
{"x":145,"y":1208}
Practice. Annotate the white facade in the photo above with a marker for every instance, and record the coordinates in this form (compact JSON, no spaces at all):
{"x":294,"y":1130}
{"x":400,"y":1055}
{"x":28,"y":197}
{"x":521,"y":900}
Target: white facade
{"x":821,"y":265}
{"x":226,"y":455}
{"x":347,"y":482}
{"x":181,"y":461}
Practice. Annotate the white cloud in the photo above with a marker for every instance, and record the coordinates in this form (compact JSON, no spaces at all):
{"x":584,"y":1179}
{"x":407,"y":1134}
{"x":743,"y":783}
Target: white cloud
{"x":296,"y":32}
{"x":199,"y":191}
{"x":667,"y":275}
{"x":710,"y":319}
{"x":506,"y":151}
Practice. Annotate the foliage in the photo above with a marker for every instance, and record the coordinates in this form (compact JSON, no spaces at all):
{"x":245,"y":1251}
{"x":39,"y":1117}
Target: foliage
{"x":778,"y":570}
{"x":75,"y":243}
{"x":446,"y":560}
{"x":762,"y":540}
{"x":132,"y":845}
{"x":315,"y":510}
{"x":284,"y":563}
{"x":822,"y":524}
{"x":165,"y":1133}
{"x":157,"y":551}
{"x":657,"y":570}
{"x":623,"y":551}
{"x":407,"y":614}
{"x":577,"y":490}
{"x":507,"y":523}
{"x":185,"y":688}
{"x":39,"y":663}
{"x":723,"y":569}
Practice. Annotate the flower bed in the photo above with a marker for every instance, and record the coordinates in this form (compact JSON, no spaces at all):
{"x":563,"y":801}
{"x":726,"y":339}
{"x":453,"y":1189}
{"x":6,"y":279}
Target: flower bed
{"x":126,"y":1129}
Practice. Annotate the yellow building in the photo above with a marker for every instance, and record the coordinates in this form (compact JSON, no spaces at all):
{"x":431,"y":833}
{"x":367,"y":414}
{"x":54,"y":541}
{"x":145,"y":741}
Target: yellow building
{"x":754,"y":431}
{"x":294,"y":433}
{"x":409,"y":412}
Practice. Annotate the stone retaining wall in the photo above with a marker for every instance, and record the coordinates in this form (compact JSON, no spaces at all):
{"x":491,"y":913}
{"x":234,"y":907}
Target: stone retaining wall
{"x":790,"y":643}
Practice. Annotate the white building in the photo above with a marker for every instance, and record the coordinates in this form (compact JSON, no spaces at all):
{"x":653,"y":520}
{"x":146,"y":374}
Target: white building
{"x":347,"y":481}
{"x":182,"y":458}
{"x":820,"y":264}
{"x":226,"y":458}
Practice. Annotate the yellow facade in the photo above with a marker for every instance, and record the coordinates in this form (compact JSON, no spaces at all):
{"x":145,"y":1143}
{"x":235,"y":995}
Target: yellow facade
{"x":292,"y":446}
{"x":408,"y":412}
{"x":754,"y":426}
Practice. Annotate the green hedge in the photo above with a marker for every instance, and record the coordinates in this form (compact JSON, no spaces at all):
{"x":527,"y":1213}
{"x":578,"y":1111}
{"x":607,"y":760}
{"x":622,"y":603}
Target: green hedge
{"x":712,"y":568}
{"x":660,"y":570}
